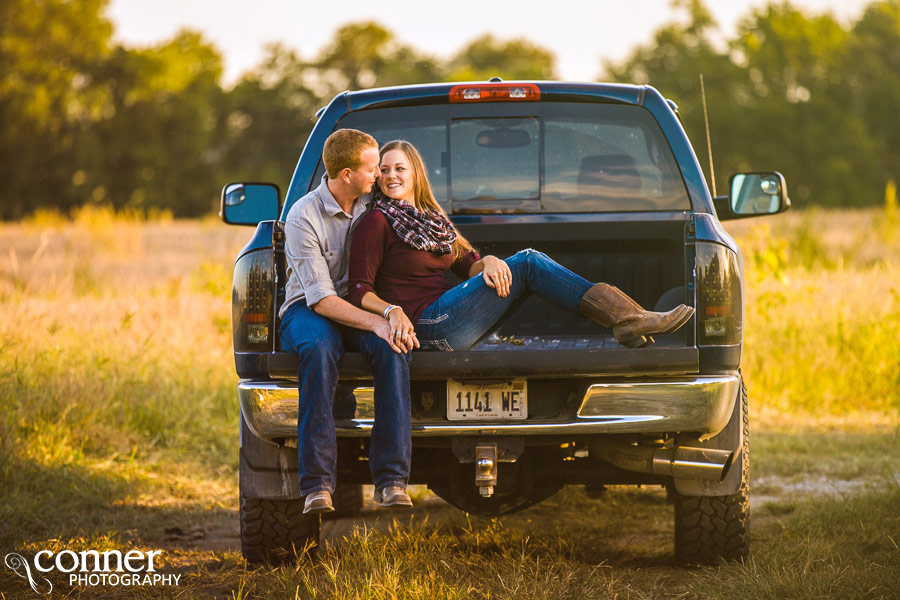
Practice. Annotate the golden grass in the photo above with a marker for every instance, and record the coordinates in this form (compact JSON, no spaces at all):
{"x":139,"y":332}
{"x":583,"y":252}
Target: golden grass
{"x":119,"y":427}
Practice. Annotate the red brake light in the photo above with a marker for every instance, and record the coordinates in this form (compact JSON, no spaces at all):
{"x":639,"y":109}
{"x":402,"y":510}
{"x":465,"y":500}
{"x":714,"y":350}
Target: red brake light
{"x":495,"y":92}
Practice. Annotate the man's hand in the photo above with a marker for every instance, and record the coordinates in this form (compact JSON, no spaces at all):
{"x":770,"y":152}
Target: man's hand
{"x":497,"y":275}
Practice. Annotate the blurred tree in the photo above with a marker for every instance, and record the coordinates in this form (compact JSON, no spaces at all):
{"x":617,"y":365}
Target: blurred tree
{"x":365,"y":54}
{"x":269,"y":114}
{"x":873,"y":79}
{"x":797,"y":82}
{"x":158,"y":142}
{"x":777,"y":97}
{"x":487,"y":57}
{"x":49,"y":50}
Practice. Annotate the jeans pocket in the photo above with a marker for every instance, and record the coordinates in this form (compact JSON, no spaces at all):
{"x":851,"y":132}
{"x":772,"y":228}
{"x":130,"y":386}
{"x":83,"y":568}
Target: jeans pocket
{"x":441,"y":345}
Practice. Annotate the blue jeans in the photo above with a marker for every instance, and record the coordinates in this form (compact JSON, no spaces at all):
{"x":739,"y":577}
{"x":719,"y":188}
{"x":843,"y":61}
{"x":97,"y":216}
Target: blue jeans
{"x":320,"y":344}
{"x":464,"y":314}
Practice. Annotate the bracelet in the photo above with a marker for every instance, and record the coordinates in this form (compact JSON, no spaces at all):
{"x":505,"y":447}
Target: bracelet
{"x":387,"y":311}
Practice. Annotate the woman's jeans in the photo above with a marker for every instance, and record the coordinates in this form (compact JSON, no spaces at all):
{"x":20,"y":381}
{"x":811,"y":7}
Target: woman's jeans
{"x":464,"y":314}
{"x":320,"y":343}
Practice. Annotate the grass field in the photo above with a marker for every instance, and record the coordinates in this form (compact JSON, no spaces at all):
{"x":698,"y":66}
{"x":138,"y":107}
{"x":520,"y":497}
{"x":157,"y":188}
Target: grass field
{"x":118,"y":430}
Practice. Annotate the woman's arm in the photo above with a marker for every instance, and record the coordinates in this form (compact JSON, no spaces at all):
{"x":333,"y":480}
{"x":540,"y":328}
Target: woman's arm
{"x":401,"y":327}
{"x":495,"y":272}
{"x":367,"y":248}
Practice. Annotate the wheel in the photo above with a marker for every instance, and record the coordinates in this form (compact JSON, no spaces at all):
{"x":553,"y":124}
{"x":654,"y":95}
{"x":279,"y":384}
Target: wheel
{"x":276,"y":530}
{"x":347,"y":500}
{"x":713,"y":528}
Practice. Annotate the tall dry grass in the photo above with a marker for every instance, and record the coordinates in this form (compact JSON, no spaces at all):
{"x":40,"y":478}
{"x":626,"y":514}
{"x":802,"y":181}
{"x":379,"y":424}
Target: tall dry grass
{"x":822,"y":330}
{"x":119,"y":421}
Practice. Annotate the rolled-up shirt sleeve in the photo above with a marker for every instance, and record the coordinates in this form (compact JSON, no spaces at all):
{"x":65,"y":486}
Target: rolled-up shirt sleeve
{"x":463,"y":264}
{"x":304,"y":256}
{"x":366,"y":253}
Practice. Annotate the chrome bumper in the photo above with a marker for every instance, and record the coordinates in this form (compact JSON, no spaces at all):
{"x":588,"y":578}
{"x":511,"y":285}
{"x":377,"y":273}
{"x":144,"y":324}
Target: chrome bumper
{"x":702,"y":405}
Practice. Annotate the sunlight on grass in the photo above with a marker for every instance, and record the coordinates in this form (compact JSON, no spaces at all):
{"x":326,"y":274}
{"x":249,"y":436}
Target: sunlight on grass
{"x":119,"y":423}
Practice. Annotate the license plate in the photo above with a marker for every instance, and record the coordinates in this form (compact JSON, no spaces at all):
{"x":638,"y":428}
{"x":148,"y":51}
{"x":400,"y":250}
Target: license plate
{"x":504,"y":400}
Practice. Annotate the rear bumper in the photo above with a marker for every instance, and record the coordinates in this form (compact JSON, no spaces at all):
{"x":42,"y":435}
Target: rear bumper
{"x":701,"y":405}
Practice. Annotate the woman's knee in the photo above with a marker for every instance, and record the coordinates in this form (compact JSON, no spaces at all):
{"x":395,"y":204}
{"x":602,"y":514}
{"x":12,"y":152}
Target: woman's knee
{"x":527,"y":258}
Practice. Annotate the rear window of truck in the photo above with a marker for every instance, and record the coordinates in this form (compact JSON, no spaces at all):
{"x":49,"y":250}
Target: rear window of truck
{"x":536,"y":157}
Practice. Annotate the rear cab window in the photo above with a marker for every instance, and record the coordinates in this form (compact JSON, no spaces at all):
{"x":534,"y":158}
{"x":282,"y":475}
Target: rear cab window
{"x":550,"y":157}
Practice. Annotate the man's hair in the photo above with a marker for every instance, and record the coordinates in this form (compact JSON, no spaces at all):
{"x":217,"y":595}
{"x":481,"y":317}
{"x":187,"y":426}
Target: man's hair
{"x":343,"y":150}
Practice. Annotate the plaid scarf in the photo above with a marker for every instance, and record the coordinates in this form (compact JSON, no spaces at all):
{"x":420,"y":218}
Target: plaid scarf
{"x":429,"y":230}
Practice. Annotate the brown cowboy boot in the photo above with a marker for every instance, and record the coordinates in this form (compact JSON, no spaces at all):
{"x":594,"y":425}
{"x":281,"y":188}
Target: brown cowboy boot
{"x":631,"y":324}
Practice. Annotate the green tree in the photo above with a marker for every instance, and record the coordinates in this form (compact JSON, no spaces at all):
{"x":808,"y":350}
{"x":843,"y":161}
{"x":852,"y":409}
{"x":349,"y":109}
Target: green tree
{"x":158,"y":142}
{"x":269,"y":115}
{"x":365,"y":54}
{"x":797,"y":67}
{"x":487,"y":57}
{"x":49,"y":51}
{"x":873,"y":80}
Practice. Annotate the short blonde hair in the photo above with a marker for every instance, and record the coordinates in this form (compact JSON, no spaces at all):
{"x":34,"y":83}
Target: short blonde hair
{"x":343,"y":150}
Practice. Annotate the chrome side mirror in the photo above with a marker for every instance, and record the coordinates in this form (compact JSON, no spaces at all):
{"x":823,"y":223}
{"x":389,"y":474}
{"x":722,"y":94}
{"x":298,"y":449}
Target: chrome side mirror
{"x":755,"y":194}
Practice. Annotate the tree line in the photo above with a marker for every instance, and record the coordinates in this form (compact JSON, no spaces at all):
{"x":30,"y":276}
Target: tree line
{"x":85,"y":120}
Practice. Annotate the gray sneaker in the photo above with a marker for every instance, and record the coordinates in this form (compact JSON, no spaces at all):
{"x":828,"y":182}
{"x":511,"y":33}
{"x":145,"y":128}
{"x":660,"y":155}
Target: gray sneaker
{"x":318,"y":502}
{"x":393,"y":496}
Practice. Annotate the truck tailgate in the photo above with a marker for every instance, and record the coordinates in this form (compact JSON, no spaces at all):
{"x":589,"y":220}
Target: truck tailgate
{"x":532,"y":357}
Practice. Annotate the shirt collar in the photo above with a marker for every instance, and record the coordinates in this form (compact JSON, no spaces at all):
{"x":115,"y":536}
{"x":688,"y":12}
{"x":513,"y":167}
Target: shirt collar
{"x":330,"y":204}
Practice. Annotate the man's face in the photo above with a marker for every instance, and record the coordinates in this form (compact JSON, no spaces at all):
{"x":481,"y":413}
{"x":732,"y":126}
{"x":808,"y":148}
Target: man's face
{"x":365,"y":176}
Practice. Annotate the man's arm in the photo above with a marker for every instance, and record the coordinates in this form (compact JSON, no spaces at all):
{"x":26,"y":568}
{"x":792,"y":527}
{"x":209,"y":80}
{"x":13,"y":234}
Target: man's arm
{"x":339,"y":310}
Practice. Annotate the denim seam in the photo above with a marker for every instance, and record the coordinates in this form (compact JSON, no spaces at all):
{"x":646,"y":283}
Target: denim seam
{"x":441,"y":344}
{"x":439,"y":319}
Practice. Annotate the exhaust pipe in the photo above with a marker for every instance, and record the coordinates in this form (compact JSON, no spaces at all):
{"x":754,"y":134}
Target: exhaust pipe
{"x":682,"y":462}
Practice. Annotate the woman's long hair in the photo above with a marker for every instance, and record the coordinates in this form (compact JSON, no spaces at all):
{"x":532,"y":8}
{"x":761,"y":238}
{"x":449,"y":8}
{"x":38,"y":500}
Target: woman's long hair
{"x":423,"y":197}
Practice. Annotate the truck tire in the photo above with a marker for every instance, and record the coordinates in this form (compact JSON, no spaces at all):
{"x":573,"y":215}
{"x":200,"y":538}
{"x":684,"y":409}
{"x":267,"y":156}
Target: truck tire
{"x":347,"y":500}
{"x":709,"y":529}
{"x":276,"y":531}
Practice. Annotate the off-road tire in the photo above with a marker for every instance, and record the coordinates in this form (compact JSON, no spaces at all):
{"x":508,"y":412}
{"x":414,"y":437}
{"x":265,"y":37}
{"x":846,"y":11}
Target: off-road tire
{"x":276,"y":531}
{"x":347,"y":500}
{"x":709,"y":529}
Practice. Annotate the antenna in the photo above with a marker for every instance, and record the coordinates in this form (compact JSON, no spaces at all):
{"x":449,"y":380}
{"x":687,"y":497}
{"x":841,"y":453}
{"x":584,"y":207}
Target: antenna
{"x":712,"y":171}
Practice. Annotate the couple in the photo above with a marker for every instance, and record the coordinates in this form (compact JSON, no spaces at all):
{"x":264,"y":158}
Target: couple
{"x":366,"y":272}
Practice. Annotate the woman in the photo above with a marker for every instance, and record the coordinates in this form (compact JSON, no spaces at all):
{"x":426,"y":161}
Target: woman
{"x":401,"y":249}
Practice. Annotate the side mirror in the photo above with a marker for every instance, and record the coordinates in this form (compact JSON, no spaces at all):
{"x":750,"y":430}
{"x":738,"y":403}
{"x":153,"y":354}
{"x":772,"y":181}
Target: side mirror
{"x":249,"y":203}
{"x":754,"y":195}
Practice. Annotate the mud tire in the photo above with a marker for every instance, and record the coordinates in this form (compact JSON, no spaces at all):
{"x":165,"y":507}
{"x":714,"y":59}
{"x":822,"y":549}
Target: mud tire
{"x":710,"y":529}
{"x":276,"y":531}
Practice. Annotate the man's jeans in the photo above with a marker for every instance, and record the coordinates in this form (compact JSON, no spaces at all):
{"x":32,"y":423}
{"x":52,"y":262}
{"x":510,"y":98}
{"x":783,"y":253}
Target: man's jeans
{"x":320,"y":344}
{"x":462,"y":315}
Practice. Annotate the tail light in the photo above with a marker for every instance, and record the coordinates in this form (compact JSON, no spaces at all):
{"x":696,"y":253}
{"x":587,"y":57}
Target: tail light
{"x":253,"y":308}
{"x":720,"y":309}
{"x":494,"y":92}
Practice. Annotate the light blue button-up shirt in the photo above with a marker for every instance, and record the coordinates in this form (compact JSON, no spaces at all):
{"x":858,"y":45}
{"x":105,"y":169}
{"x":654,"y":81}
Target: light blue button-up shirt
{"x":317,"y":246}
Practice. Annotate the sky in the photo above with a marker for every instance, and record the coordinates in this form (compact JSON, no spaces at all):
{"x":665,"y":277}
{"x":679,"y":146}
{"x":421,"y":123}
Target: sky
{"x":581,"y":33}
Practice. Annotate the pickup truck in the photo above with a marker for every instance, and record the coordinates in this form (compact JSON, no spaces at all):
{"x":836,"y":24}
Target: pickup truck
{"x":603,"y":179}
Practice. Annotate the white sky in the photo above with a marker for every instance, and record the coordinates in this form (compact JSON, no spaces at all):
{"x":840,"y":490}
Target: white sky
{"x":581,"y":33}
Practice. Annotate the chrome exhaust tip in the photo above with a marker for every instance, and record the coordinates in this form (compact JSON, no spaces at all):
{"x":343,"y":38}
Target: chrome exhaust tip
{"x":681,"y":462}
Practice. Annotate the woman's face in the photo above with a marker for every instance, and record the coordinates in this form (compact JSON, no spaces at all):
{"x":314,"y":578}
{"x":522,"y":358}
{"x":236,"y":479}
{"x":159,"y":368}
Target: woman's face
{"x":396,"y":179}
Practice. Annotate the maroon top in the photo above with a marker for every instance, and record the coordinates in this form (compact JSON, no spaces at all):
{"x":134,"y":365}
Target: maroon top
{"x":382,"y":263}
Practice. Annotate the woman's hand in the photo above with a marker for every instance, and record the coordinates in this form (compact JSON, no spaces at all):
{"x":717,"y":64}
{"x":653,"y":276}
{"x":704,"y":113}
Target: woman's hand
{"x":403,"y":333}
{"x":497,"y":275}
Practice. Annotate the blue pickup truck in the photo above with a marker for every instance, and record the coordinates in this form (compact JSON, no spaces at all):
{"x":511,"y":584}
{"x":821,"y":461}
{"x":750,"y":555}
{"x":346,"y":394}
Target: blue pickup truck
{"x":603,"y":179}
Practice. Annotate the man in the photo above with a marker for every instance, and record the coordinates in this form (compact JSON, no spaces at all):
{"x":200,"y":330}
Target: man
{"x":316,"y":323}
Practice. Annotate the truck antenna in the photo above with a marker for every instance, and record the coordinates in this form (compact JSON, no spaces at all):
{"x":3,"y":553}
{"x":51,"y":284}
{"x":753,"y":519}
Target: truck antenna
{"x":712,"y":171}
